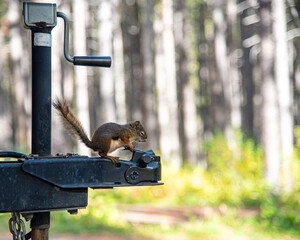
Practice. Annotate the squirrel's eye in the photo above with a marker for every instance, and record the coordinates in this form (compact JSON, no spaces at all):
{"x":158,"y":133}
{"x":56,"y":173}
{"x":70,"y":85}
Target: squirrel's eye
{"x":142,"y":133}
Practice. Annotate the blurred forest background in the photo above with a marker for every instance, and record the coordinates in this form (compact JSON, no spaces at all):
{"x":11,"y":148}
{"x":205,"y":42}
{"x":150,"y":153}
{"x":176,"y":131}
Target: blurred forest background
{"x":215,"y":83}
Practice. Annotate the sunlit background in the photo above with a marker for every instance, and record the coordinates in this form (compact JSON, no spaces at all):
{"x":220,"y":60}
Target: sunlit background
{"x":216,"y":85}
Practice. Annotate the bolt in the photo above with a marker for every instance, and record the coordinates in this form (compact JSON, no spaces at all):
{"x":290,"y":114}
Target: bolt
{"x":73,"y":211}
{"x":134,"y":175}
{"x":146,"y":158}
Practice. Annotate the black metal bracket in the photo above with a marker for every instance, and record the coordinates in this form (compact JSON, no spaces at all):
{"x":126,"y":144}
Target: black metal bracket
{"x":50,"y":183}
{"x":83,"y":172}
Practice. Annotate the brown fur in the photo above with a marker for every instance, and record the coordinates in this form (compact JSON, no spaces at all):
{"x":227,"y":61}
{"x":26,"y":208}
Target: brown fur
{"x":71,"y":122}
{"x":108,"y":137}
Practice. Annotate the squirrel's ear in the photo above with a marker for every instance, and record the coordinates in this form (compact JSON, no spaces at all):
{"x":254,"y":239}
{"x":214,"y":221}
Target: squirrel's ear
{"x":135,"y":124}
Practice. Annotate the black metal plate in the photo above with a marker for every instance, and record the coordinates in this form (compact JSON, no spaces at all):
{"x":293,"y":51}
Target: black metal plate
{"x":91,"y":172}
{"x":56,"y":183}
{"x":21,"y":192}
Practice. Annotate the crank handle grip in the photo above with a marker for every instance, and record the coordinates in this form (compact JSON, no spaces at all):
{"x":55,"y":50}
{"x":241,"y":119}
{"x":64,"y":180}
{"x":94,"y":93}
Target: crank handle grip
{"x":92,"y":61}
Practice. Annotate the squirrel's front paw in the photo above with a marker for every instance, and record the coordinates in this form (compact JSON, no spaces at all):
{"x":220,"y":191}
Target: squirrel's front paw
{"x":129,"y":147}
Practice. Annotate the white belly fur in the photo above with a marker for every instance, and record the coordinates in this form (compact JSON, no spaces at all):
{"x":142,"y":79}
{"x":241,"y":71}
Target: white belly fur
{"x":115,"y":144}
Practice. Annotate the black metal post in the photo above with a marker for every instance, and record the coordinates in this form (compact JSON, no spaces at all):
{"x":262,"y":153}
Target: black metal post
{"x":41,"y":95}
{"x":40,"y":18}
{"x":41,"y":113}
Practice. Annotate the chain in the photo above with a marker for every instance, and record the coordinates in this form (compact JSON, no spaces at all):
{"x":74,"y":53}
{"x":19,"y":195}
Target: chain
{"x":17,"y":226}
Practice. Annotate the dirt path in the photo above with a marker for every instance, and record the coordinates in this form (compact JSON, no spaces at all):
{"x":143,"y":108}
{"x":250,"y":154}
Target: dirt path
{"x":175,"y":215}
{"x":168,"y":217}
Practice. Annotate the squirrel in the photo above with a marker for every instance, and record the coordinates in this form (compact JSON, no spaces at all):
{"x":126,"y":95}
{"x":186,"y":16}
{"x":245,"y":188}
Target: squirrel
{"x":107,"y":138}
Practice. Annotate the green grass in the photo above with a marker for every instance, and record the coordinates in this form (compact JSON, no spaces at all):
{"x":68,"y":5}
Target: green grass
{"x":229,"y":226}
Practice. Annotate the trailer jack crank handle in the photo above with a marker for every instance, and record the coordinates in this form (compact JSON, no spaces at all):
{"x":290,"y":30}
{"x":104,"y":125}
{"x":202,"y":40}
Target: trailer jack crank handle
{"x":80,"y":60}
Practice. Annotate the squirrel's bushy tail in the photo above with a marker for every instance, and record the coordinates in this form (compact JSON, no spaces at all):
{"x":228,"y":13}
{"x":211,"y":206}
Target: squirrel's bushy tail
{"x":71,"y":122}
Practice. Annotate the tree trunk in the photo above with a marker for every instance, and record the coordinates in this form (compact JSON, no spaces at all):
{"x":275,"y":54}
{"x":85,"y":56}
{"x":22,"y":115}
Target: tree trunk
{"x":202,"y":102}
{"x":107,"y":88}
{"x":204,"y":75}
{"x":96,"y":112}
{"x":185,"y":92}
{"x":62,"y":85}
{"x":5,"y":119}
{"x":133,"y":60}
{"x":222,"y":85}
{"x":118,"y":65}
{"x":294,"y":11}
{"x":233,"y":74}
{"x":182,"y":74}
{"x":151,"y":120}
{"x":247,"y":76}
{"x":270,"y":113}
{"x":283,"y":82}
{"x":20,"y":76}
{"x":81,"y":83}
{"x":166,"y":86}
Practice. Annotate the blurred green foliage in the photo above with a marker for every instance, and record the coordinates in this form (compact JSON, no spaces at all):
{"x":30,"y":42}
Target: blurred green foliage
{"x":233,"y":178}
